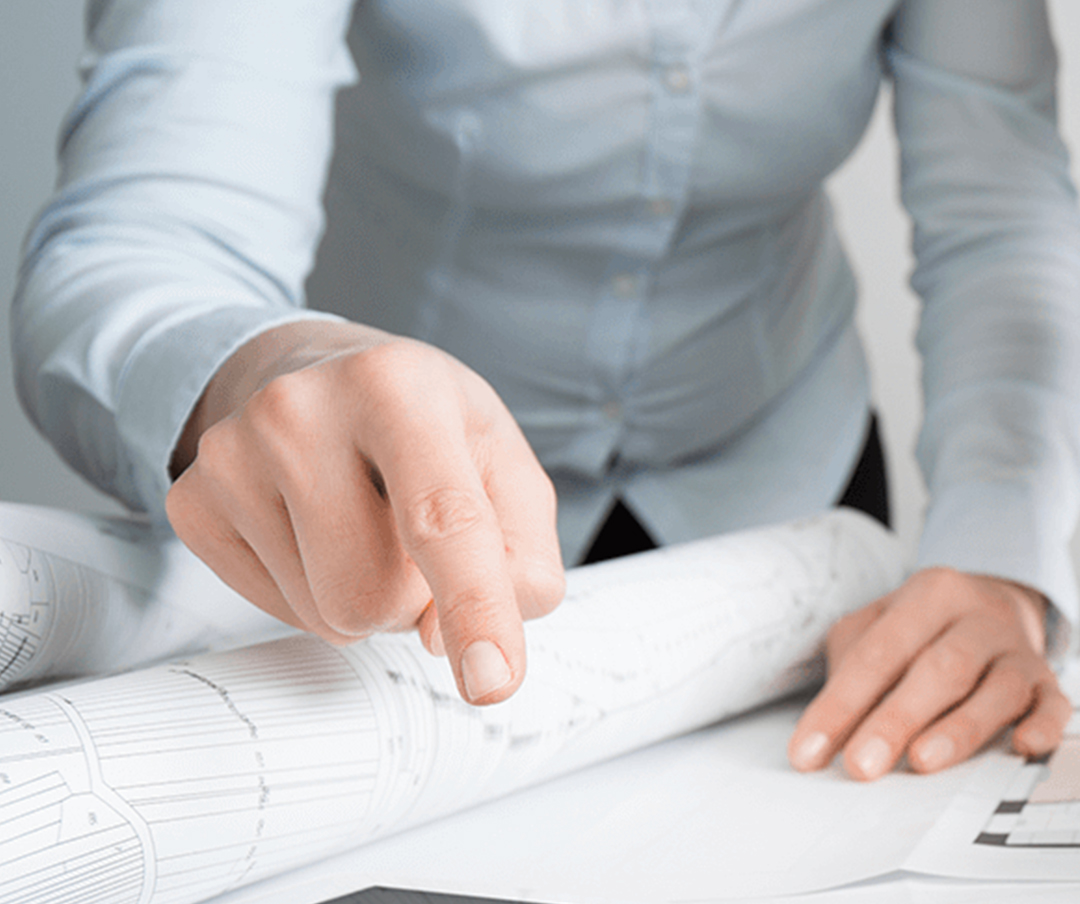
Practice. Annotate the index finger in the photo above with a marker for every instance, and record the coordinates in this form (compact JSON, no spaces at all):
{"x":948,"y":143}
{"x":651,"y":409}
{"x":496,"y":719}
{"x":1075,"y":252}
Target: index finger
{"x":449,"y":527}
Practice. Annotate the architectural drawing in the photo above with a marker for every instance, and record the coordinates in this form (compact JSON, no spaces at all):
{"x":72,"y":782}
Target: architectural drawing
{"x":175,"y":783}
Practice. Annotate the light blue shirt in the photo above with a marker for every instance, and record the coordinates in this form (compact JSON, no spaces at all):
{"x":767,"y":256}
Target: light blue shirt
{"x":612,"y":209}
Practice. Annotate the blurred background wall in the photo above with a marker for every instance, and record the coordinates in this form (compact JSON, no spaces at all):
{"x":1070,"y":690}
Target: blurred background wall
{"x":39,"y":46}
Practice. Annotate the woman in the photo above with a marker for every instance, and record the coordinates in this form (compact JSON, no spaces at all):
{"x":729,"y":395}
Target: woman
{"x":583,"y":251}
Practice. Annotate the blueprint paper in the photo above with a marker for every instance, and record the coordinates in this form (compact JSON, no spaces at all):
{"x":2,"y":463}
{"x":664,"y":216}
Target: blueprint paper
{"x":83,"y":595}
{"x":183,"y":781}
{"x":716,"y":815}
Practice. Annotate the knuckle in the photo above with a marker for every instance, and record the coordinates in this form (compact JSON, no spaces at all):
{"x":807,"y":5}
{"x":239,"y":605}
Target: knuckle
{"x":942,"y":576}
{"x":442,"y":514}
{"x":391,"y":371}
{"x":221,"y":469}
{"x":284,"y":405}
{"x":1016,"y":688}
{"x":388,"y":357}
{"x":999,"y":611}
{"x":463,"y":611}
{"x":967,"y":732}
{"x":288,"y":428}
{"x":874,"y":655}
{"x":1019,"y":666}
{"x":352,"y":611}
{"x":1005,"y":695}
{"x":358,"y":603}
{"x":386,"y":595}
{"x":942,"y":582}
{"x":219,"y":448}
{"x":838,"y":711}
{"x":951,"y":665}
{"x":898,"y":722}
{"x":366,"y":368}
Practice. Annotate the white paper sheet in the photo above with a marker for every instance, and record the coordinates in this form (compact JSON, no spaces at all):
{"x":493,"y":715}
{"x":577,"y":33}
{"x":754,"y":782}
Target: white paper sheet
{"x":183,"y":781}
{"x":1013,"y":819}
{"x":716,"y":815}
{"x":81,"y":595}
{"x":713,"y":816}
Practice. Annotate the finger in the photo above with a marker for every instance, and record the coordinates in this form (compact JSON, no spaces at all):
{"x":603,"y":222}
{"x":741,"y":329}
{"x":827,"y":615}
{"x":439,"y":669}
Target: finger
{"x":1004,"y":694}
{"x":1042,"y":729}
{"x":331,"y":545}
{"x":866,"y":671}
{"x":524,"y":501}
{"x":448,"y":526}
{"x":430,"y":632}
{"x":233,"y":489}
{"x":943,"y":675}
{"x":335,"y":556}
{"x":269,"y":532}
{"x":848,"y":629}
{"x":809,"y":747}
{"x":360,"y":578}
{"x":207,"y":534}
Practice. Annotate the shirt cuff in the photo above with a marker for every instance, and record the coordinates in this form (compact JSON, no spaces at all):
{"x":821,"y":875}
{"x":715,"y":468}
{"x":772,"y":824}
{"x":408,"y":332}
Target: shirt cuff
{"x":1001,"y":530}
{"x":164,"y":379}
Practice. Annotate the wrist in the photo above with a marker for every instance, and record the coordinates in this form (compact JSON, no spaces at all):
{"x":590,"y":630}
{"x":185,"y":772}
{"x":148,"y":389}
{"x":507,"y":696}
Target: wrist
{"x":1033,"y":607}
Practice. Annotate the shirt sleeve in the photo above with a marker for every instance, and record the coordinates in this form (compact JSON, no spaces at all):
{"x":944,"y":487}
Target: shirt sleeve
{"x":997,"y":244}
{"x":185,"y":220}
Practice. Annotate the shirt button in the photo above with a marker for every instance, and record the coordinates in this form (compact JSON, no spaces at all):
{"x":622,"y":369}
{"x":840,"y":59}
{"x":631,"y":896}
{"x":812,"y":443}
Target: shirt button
{"x":612,"y":410}
{"x":625,"y":285}
{"x":677,"y":78}
{"x":661,"y":207}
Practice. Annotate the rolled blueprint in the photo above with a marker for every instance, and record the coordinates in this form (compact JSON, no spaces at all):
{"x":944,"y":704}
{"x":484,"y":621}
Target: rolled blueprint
{"x":179,"y":782}
{"x":83,"y":595}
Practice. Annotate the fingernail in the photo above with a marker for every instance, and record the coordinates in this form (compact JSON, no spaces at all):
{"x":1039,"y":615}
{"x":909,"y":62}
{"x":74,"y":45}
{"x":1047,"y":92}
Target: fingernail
{"x":874,"y":758}
{"x":936,"y":752}
{"x":484,"y":669}
{"x":811,"y":752}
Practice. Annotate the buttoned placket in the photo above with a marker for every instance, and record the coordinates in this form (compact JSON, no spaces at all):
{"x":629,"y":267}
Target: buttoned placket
{"x":681,"y":33}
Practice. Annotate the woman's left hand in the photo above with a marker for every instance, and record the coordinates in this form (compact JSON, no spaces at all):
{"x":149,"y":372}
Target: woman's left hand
{"x":934,"y":670}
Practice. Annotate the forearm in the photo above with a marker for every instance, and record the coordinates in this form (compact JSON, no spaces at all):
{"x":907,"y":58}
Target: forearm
{"x":184,"y":223}
{"x":985,"y":177}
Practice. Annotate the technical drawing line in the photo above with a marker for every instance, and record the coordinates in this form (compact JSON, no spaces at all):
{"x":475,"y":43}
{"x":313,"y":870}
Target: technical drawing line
{"x":101,"y":790}
{"x":179,"y":782}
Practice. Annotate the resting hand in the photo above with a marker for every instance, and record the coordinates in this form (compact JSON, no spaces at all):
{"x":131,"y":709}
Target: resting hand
{"x":347,"y":481}
{"x":933,"y":670}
